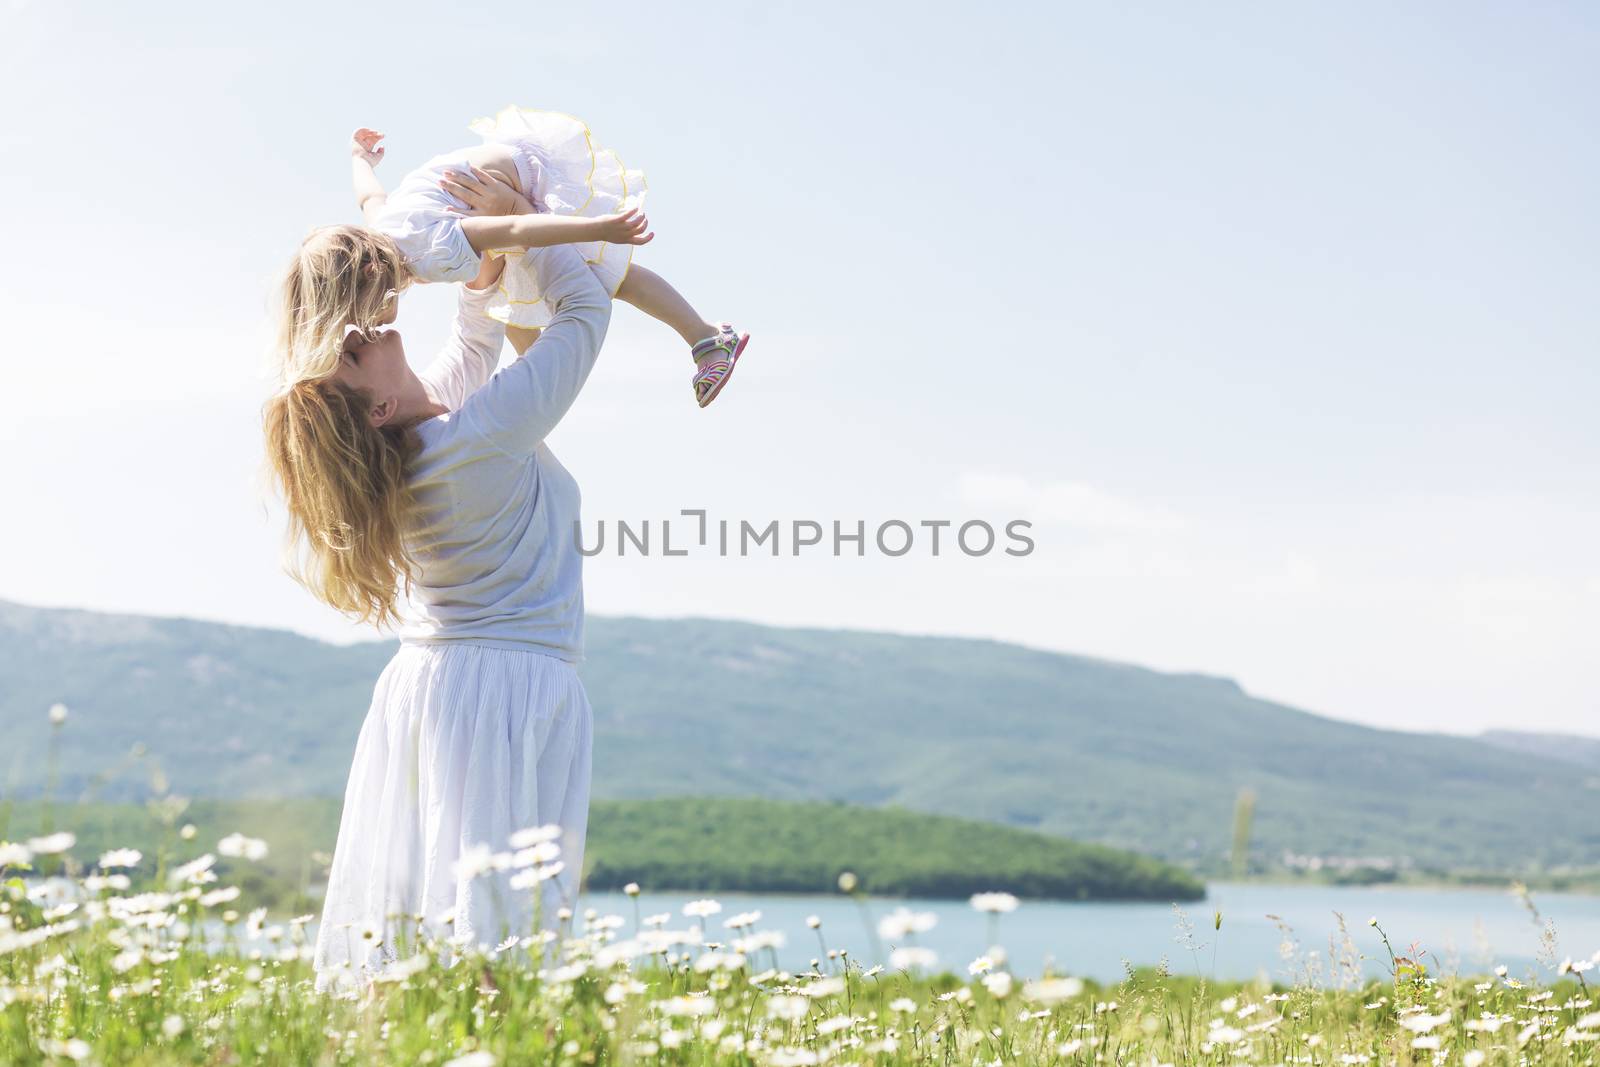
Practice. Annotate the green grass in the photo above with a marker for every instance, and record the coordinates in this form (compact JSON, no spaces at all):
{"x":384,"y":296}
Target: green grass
{"x":132,"y":986}
{"x":721,"y":844}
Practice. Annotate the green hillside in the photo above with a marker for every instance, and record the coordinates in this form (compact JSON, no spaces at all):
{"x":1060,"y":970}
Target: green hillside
{"x":1583,"y":751}
{"x":718,"y":845}
{"x":1071,"y":746}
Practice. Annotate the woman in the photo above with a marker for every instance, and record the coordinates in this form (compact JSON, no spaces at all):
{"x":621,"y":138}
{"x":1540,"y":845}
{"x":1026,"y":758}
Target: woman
{"x":479,"y":726}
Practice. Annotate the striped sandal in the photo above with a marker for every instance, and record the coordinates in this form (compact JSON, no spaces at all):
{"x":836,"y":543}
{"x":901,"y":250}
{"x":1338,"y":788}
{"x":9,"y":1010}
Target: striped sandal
{"x":714,"y":360}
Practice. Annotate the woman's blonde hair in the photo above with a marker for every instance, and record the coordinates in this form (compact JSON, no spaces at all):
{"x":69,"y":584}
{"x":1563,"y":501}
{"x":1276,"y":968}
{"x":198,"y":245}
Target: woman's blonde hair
{"x":343,"y":481}
{"x":340,"y":276}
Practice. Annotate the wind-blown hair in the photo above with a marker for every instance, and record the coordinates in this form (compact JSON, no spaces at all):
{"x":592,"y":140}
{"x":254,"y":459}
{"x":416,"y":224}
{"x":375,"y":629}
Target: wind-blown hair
{"x":340,"y":276}
{"x":343,"y":482}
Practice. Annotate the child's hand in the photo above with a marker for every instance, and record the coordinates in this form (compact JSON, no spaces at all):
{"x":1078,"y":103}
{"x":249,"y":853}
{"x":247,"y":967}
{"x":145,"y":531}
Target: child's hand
{"x":485,"y":193}
{"x":364,"y":145}
{"x":624,"y":228}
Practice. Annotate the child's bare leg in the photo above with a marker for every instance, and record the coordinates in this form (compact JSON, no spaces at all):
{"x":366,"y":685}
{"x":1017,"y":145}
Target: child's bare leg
{"x":651,"y":294}
{"x":521,"y":338}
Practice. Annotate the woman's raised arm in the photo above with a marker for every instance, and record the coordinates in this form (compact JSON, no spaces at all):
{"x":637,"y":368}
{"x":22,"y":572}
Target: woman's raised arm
{"x":471,"y":354}
{"x":524,"y":401}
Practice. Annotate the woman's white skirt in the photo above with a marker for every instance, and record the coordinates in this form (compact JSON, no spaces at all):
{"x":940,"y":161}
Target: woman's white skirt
{"x":463,"y":746}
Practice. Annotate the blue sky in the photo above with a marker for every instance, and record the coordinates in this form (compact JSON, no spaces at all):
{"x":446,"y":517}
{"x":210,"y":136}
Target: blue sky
{"x":1278,"y":322}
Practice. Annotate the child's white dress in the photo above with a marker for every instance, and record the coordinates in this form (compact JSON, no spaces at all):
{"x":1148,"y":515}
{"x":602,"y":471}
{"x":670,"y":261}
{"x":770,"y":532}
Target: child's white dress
{"x":562,"y":171}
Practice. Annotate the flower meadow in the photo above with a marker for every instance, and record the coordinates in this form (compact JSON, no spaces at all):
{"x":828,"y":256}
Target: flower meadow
{"x":134,"y":960}
{"x":95,"y":969}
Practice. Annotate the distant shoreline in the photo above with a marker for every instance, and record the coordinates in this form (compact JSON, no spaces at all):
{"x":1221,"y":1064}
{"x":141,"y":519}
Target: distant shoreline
{"x":1583,"y":886}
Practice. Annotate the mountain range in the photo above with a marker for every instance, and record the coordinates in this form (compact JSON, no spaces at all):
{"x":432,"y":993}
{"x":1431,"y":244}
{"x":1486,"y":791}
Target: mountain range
{"x":1070,"y":745}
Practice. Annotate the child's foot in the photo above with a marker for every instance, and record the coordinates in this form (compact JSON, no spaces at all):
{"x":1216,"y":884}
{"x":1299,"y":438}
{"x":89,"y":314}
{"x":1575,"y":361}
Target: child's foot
{"x":714,"y":360}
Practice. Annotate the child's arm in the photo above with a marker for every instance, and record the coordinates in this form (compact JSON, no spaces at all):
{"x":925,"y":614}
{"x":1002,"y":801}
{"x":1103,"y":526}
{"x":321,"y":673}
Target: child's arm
{"x":542,"y":230}
{"x":499,"y":216}
{"x":365,"y":154}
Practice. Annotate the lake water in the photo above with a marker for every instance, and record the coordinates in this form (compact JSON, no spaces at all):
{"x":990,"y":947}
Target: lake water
{"x":1469,"y":930}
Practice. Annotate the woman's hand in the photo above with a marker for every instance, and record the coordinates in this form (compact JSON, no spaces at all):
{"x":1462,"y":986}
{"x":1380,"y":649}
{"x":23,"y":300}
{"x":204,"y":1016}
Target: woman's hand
{"x":364,"y":146}
{"x":624,"y":228}
{"x":485,"y":193}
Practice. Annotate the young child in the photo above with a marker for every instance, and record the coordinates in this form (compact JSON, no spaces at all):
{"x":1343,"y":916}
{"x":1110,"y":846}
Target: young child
{"x":538,"y":179}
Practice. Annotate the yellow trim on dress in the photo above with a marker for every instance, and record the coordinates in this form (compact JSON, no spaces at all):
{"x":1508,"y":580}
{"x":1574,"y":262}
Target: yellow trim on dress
{"x":479,"y":126}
